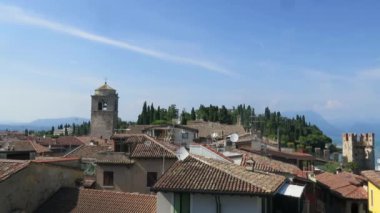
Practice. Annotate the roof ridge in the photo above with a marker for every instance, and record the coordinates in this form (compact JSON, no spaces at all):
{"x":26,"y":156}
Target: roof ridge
{"x":118,"y":192}
{"x":243,"y":170}
{"x":74,"y":150}
{"x":167,"y":149}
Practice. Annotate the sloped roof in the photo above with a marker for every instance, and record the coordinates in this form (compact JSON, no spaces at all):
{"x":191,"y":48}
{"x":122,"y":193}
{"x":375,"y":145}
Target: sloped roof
{"x":372,"y":176}
{"x":344,"y":184}
{"x":88,"y":151}
{"x":113,"y":158}
{"x":105,"y":86}
{"x":61,"y":141}
{"x":10,"y":167}
{"x":206,"y":175}
{"x":166,"y":126}
{"x":39,"y":148}
{"x":147,"y":147}
{"x":206,"y":129}
{"x":264,"y":163}
{"x":91,"y":200}
{"x":23,"y":146}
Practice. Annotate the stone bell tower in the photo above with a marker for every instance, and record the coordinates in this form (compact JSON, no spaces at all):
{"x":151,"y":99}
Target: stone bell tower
{"x":104,"y":109}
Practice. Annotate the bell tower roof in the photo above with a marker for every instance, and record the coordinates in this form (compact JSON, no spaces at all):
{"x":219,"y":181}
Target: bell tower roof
{"x":105,"y":90}
{"x":105,"y":86}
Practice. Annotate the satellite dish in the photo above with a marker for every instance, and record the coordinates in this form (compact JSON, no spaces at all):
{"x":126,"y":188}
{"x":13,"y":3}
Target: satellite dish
{"x":182,"y":153}
{"x":214,"y":135}
{"x":234,"y":138}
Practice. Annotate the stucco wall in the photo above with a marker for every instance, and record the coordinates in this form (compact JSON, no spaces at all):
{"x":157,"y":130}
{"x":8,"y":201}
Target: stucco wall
{"x":229,"y":204}
{"x":32,"y":186}
{"x":164,"y":202}
{"x":200,"y":203}
{"x":178,"y":136}
{"x":374,"y":206}
{"x":132,"y":178}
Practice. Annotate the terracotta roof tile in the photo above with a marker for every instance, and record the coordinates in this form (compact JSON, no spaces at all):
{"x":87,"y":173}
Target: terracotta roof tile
{"x":91,"y":200}
{"x":19,"y":146}
{"x":88,"y":151}
{"x":39,"y":148}
{"x":147,"y":147}
{"x":205,"y":129}
{"x":372,"y":176}
{"x":267,"y":164}
{"x":113,"y":158}
{"x":206,"y":175}
{"x":61,"y":141}
{"x":345,"y":184}
{"x":9,"y":167}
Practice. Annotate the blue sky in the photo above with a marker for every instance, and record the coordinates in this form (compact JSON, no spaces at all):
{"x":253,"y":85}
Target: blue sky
{"x":289,"y":55}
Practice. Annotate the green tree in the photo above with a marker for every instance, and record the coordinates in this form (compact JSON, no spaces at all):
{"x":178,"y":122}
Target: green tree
{"x":193,"y":115}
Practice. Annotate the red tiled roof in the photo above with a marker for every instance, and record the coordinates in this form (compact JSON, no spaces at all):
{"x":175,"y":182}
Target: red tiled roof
{"x":39,"y":148}
{"x":345,"y":184}
{"x":206,"y":129}
{"x":206,"y":175}
{"x":147,"y":147}
{"x":9,"y":167}
{"x":91,"y":200}
{"x":113,"y":158}
{"x":287,"y":155}
{"x":165,"y":126}
{"x":61,"y":141}
{"x":372,"y":176}
{"x":88,"y":151}
{"x":267,"y":164}
{"x":54,"y":159}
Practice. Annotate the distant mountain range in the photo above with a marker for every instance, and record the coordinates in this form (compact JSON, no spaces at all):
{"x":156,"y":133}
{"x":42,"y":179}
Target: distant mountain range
{"x":43,"y":124}
{"x":334,"y":131}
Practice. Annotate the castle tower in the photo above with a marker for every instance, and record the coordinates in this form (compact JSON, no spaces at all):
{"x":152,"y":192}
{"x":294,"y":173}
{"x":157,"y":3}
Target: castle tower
{"x":359,"y":149}
{"x":104,"y":111}
{"x":349,"y":140}
{"x":367,"y":145}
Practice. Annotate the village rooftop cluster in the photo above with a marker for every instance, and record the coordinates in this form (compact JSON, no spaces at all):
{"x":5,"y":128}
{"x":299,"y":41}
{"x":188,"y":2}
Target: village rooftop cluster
{"x":198,"y":167}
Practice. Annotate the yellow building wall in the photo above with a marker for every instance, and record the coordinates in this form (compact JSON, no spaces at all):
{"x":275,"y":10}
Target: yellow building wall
{"x":373,"y":198}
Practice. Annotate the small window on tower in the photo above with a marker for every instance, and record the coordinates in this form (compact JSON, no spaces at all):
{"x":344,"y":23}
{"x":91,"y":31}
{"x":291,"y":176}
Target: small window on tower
{"x":100,"y":106}
{"x":104,"y":105}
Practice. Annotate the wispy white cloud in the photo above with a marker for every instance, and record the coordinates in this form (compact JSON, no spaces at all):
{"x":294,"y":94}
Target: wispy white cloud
{"x":18,"y":15}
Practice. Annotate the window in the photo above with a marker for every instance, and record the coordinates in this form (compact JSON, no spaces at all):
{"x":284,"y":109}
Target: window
{"x":151,"y":178}
{"x":181,"y":202}
{"x":185,"y":135}
{"x":105,"y":106}
{"x":102,"y":106}
{"x":108,"y":178}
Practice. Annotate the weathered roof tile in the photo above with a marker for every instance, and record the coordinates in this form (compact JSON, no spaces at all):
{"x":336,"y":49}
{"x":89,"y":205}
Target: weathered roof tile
{"x":200,"y":174}
{"x":91,"y":200}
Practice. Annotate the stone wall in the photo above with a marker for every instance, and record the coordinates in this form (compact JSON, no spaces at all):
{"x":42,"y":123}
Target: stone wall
{"x":104,"y":121}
